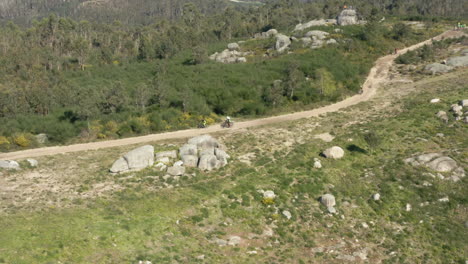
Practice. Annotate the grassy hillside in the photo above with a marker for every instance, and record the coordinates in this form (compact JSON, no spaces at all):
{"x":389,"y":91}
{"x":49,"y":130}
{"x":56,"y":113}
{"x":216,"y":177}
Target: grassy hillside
{"x":89,"y":216}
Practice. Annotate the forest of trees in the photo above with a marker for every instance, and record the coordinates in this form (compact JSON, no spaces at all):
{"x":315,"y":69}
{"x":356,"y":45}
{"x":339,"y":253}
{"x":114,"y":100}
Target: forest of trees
{"x":68,"y":77}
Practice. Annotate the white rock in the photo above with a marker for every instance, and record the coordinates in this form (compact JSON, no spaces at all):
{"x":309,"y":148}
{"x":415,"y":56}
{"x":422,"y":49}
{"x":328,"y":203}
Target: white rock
{"x":144,"y":262}
{"x":444,"y":199}
{"x":161,"y":166}
{"x":376,"y":197}
{"x":464,"y":103}
{"x":334,"y":152}
{"x":317,"y":164}
{"x":179,"y":163}
{"x":287,"y":214}
{"x":365,"y":225}
{"x":9,"y":165}
{"x":435,"y":100}
{"x":269,"y":195}
{"x":200,"y":257}
{"x":408,"y":207}
{"x":253,"y":252}
{"x":328,"y":200}
{"x":176,"y":170}
{"x":32,"y":162}
{"x":190,"y":161}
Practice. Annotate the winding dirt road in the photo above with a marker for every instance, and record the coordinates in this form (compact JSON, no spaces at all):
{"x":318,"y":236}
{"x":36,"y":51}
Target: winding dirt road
{"x":377,"y":76}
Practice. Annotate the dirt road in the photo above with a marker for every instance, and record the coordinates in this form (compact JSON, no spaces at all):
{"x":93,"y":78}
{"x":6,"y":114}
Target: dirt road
{"x":378,"y":75}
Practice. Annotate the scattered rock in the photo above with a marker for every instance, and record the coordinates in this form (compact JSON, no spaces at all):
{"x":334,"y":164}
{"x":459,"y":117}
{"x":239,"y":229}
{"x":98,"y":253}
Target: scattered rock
{"x":435,"y":68}
{"x":464,"y":103}
{"x":364,"y":225}
{"x":9,"y":165}
{"x":270,"y":33}
{"x":220,"y":242}
{"x":134,"y":160}
{"x":376,"y":197}
{"x":408,"y":207}
{"x":253,"y":252}
{"x":268,"y":232}
{"x":234,"y":241}
{"x":144,"y":262}
{"x":200,"y":257}
{"x":329,"y":201}
{"x":317,"y":164}
{"x":334,"y":153}
{"x":435,"y":100}
{"x":347,"y":17}
{"x":176,"y":170}
{"x":32,"y":162}
{"x":269,"y":195}
{"x":444,"y":199}
{"x":331,"y":42}
{"x":440,"y":135}
{"x":287,"y":214}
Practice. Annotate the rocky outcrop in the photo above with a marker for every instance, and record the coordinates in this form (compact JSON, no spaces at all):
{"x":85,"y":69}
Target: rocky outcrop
{"x":134,"y":160}
{"x":282,"y":43}
{"x":439,"y":163}
{"x":348,"y":17}
{"x":317,"y":34}
{"x":204,"y":152}
{"x":9,"y":165}
{"x":233,"y":46}
{"x":176,"y":170}
{"x":461,"y":61}
{"x":435,"y":68}
{"x":334,"y":153}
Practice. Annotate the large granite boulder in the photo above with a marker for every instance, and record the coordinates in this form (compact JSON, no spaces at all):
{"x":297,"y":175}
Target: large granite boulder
{"x":461,"y":61}
{"x":190,"y":161}
{"x":204,"y":141}
{"x":208,"y":162}
{"x":9,"y":165}
{"x":348,"y":17}
{"x":188,"y":149}
{"x":334,"y":153}
{"x":134,"y":160}
{"x":282,"y":43}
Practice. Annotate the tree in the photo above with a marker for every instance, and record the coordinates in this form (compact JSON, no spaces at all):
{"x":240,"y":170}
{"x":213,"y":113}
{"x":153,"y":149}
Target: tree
{"x":294,"y":79}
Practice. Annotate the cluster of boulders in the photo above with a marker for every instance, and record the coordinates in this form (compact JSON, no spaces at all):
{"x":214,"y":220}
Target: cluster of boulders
{"x":204,"y":152}
{"x":438,"y":163}
{"x":316,"y":39}
{"x":456,"y":109}
{"x":231,"y":55}
{"x":14,"y":165}
{"x":282,"y":41}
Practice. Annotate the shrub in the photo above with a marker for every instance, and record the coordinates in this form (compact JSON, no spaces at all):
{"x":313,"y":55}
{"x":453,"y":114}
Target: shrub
{"x":268,"y":201}
{"x":4,"y":143}
{"x":22,"y":140}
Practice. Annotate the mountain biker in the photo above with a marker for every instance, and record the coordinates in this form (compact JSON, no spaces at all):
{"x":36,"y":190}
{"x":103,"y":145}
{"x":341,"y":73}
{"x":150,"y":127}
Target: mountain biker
{"x":228,"y":121}
{"x":204,"y":123}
